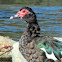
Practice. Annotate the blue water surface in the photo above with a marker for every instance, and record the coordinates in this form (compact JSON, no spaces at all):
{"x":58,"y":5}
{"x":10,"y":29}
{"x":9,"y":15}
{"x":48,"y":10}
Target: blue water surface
{"x":49,"y":19}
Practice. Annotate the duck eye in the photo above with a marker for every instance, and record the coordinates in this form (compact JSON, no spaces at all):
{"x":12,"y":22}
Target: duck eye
{"x":23,"y":11}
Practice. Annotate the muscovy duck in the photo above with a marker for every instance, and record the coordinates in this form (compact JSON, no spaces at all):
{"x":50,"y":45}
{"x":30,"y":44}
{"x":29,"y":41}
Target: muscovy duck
{"x":32,"y":45}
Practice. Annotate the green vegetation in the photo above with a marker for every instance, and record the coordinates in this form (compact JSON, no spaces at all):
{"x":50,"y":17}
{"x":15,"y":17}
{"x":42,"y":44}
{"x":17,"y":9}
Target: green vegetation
{"x":33,"y":2}
{"x":20,"y":1}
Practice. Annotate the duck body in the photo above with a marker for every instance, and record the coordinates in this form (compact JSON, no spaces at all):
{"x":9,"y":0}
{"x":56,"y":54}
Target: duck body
{"x":49,"y":56}
{"x":32,"y":45}
{"x":40,"y":45}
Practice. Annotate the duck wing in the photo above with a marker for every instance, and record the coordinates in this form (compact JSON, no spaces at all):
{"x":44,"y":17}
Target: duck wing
{"x":50,"y":45}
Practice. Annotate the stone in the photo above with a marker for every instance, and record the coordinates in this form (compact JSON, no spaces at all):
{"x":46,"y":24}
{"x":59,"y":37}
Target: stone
{"x":5,"y":41}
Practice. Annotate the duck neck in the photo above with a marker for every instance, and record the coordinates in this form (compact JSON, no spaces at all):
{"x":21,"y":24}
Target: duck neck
{"x":33,"y":29}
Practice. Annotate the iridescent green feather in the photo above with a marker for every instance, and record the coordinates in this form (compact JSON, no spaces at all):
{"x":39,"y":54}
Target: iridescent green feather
{"x":51,"y":45}
{"x":47,"y":48}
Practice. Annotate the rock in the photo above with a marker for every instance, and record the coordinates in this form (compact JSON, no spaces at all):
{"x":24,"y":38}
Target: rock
{"x":58,"y":38}
{"x":5,"y":41}
{"x":16,"y":54}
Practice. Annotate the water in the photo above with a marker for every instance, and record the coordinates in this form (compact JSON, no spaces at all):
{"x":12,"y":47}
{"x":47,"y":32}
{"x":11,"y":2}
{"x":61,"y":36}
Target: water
{"x":49,"y":19}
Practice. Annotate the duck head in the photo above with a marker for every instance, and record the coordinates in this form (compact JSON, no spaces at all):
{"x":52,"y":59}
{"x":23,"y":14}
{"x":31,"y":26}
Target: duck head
{"x":26,"y":14}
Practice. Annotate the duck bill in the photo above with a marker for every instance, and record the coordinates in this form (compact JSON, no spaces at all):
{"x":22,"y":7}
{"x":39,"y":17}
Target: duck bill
{"x":15,"y":16}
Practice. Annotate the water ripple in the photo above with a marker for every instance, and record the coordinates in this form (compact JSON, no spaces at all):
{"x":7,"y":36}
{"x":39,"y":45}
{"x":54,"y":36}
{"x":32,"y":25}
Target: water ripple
{"x":49,"y":18}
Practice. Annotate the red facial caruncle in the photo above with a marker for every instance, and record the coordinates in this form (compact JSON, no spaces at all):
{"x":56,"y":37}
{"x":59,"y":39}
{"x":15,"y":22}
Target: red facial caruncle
{"x":20,"y":14}
{"x":23,"y":13}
